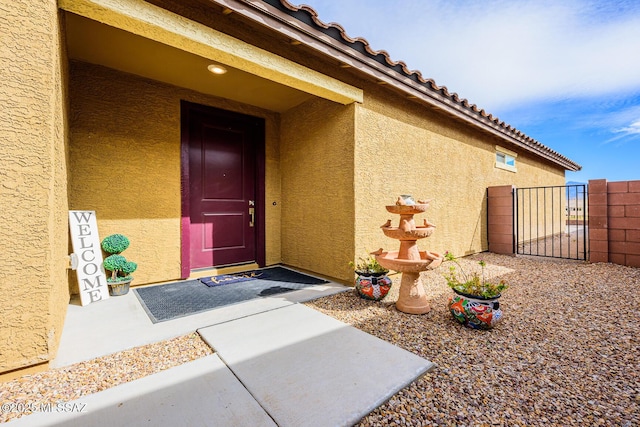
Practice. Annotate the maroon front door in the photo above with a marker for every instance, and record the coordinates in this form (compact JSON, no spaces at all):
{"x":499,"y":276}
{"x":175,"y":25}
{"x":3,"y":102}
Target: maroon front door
{"x":224,"y":179}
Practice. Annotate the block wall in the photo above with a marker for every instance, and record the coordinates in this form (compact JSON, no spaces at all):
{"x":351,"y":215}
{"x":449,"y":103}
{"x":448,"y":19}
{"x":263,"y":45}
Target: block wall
{"x":500,"y":219}
{"x":614,"y":222}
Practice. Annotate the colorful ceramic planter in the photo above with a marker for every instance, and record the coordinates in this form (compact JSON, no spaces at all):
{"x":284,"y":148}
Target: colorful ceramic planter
{"x":475,"y":312}
{"x":373,"y":286}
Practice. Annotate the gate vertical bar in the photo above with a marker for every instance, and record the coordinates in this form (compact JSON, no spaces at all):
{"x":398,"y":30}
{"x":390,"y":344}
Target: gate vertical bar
{"x":537,"y":224}
{"x":577,"y":233}
{"x":544,"y":205}
{"x":530,"y":222}
{"x":567,"y":220}
{"x":561,"y":227}
{"x":585,"y":219}
{"x":515,"y":220}
{"x":553,"y":228}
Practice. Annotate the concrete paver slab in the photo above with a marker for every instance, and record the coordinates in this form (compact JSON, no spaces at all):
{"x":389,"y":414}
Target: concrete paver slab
{"x":308,"y":369}
{"x":200,"y":393}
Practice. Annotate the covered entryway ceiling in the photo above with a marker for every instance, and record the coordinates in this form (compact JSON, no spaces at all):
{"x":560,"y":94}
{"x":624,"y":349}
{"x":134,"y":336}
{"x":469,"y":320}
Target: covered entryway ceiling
{"x":97,"y":43}
{"x":148,"y":41}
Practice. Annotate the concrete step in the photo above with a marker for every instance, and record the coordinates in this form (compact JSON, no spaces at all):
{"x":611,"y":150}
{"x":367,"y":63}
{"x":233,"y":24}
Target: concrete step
{"x":308,"y":369}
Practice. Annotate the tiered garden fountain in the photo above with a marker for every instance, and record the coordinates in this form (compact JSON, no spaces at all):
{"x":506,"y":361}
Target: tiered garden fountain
{"x":409,"y":260}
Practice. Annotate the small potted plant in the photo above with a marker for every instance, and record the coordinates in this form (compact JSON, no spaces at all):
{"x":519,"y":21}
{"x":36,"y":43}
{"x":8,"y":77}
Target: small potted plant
{"x":120,"y":268}
{"x":371,"y":281}
{"x":475,"y":303}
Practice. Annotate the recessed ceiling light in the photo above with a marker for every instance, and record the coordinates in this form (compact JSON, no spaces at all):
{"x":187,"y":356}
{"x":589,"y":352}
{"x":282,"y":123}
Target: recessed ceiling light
{"x":217,"y":69}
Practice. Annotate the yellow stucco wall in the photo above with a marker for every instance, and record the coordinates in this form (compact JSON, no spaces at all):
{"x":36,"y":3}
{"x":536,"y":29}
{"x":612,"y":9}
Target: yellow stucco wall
{"x":402,"y":149}
{"x":125,"y":164}
{"x":33,"y":224}
{"x":330,"y":169}
{"x":317,"y":187}
{"x":59,"y":298}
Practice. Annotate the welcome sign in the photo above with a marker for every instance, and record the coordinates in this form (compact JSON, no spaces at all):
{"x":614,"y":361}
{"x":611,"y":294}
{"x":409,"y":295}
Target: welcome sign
{"x":92,"y":281}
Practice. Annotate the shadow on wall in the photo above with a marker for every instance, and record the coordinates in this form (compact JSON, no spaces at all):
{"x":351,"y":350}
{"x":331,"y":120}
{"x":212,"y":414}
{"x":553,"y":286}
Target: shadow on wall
{"x":480,"y":229}
{"x":124,"y":145}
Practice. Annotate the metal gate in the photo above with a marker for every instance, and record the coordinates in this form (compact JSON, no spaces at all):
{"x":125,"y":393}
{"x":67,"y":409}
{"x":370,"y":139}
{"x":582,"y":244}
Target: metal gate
{"x":552,"y":221}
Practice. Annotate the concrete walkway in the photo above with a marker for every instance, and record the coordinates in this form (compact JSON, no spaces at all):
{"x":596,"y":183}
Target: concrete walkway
{"x":199,"y":393}
{"x":277,"y":362}
{"x":308,"y":369}
{"x":120,"y":323}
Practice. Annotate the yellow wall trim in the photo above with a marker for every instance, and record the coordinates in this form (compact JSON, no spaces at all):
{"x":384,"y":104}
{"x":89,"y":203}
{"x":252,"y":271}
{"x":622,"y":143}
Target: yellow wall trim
{"x":160,"y":25}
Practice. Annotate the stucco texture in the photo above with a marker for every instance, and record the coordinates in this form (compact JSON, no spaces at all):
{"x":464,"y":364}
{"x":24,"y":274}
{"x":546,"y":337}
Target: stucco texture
{"x":33,"y":227}
{"x":330,"y":168}
{"x":403,"y":149}
{"x":125,"y":164}
{"x":317,"y":187}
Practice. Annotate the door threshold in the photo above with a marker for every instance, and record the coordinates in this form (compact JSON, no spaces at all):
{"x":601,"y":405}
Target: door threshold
{"x":215,"y":271}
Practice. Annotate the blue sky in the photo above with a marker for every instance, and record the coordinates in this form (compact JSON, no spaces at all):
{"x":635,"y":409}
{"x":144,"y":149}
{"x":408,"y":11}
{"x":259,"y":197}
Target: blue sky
{"x":566,"y":73}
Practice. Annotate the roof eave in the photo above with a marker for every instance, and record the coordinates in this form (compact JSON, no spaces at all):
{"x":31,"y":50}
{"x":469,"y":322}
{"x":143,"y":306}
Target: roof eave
{"x":425,"y":90}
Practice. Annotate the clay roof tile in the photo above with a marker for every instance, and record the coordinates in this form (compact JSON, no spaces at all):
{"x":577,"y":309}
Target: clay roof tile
{"x":383,"y":57}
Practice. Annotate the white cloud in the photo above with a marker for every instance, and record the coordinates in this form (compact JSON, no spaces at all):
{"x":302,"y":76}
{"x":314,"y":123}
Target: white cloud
{"x":633,"y":128}
{"x":620,"y":121}
{"x":632,"y":131}
{"x":501,"y":53}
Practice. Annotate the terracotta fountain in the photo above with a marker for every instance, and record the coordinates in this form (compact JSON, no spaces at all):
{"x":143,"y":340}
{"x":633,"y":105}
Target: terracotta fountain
{"x":409,"y":260}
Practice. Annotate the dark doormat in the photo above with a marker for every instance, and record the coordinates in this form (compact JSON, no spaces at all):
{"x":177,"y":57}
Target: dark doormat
{"x":184,"y":298}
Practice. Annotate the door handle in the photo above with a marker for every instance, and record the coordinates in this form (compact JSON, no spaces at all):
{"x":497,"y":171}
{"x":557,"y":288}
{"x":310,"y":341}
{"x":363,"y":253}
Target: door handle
{"x":252,"y":217}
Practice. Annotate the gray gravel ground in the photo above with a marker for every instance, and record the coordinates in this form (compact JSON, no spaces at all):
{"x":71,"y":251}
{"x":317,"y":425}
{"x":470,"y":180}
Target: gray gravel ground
{"x":72,"y":382}
{"x":566,"y":353}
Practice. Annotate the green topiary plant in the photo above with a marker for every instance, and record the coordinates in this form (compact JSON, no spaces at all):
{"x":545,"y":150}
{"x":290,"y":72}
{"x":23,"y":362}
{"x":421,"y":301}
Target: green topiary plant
{"x":115,"y":243}
{"x":117,"y":264}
